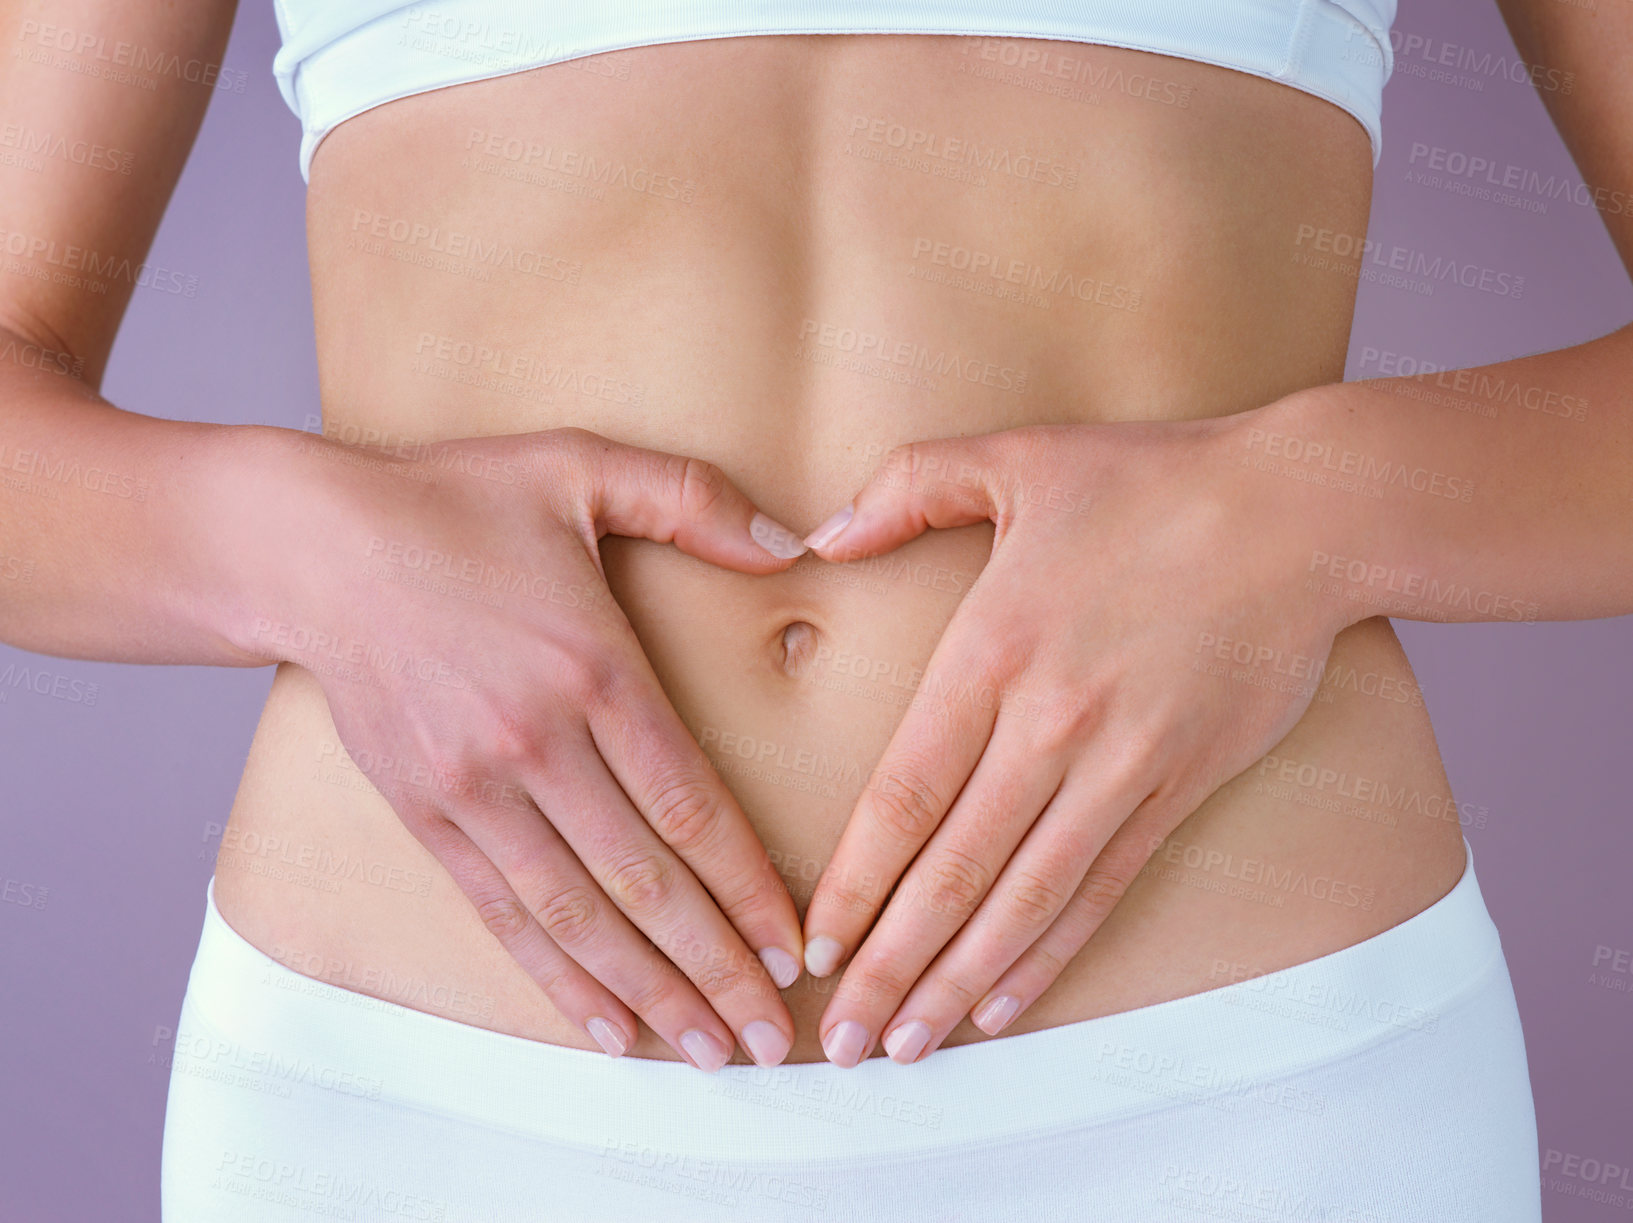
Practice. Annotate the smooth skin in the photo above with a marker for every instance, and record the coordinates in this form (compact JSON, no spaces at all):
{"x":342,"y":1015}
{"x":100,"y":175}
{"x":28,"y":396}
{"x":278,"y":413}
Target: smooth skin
{"x":643,"y":891}
{"x":1010,"y":829}
{"x":184,"y":606}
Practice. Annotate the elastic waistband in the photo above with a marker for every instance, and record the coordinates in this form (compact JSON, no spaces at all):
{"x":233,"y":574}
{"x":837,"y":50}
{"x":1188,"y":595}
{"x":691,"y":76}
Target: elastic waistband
{"x":1235,"y":1047}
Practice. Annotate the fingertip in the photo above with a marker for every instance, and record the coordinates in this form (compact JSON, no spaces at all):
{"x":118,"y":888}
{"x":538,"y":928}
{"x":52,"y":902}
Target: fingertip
{"x":782,"y":968}
{"x":995,"y":1014}
{"x":775,"y":538}
{"x":830,"y":529}
{"x":822,"y":955}
{"x":608,"y":1035}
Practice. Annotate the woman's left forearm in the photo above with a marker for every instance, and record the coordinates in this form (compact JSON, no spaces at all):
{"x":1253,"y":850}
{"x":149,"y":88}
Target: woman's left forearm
{"x":1502,"y":492}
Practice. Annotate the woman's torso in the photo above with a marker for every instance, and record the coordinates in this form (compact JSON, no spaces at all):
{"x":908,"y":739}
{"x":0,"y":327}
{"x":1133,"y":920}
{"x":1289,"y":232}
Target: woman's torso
{"x":787,"y":255}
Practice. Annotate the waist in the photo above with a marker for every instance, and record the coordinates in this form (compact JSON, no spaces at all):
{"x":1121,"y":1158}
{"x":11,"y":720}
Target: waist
{"x":1239,"y":1048}
{"x":1346,"y":829}
{"x":813,"y":303}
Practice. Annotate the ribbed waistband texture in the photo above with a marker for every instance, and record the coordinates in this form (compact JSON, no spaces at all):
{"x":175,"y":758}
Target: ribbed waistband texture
{"x":1241,"y":1045}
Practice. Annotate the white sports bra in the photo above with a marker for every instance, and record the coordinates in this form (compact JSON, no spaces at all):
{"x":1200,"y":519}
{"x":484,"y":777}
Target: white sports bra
{"x":342,"y":57}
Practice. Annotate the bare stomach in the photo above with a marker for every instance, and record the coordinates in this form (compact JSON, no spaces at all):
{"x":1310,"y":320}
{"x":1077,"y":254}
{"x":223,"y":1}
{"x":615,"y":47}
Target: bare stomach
{"x":786,"y":255}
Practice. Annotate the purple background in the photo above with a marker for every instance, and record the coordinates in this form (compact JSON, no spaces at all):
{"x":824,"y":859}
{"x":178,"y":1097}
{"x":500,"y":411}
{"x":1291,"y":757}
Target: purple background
{"x":105,"y":805}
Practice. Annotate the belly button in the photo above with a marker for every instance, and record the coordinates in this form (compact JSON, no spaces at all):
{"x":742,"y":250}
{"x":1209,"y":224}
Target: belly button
{"x":799,"y":642}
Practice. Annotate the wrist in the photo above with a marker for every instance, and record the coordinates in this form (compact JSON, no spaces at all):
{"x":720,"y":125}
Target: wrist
{"x":1295,"y":458}
{"x":277,"y":493}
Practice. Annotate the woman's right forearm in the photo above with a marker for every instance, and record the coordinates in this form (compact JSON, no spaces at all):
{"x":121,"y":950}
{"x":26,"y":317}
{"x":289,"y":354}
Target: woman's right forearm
{"x":130,"y":538}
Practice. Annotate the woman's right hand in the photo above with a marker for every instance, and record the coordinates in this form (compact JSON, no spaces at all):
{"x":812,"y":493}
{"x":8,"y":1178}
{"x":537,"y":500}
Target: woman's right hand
{"x":453,"y":606}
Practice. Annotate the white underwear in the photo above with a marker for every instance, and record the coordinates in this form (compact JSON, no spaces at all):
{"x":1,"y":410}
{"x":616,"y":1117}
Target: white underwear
{"x":1385,"y":1083}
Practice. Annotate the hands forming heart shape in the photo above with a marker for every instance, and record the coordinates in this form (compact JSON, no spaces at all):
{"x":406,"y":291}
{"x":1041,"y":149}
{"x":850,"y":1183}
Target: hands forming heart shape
{"x":1002,"y":827}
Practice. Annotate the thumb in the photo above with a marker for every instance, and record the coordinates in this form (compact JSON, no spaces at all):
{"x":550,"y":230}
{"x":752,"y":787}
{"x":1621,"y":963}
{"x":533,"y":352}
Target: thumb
{"x":670,"y":498}
{"x":919,"y":485}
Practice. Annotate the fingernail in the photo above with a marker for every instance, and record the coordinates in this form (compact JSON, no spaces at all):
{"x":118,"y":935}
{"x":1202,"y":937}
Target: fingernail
{"x":829,"y":531}
{"x":765,"y":1044}
{"x":607,"y":1036}
{"x":822,"y":955}
{"x":846,"y":1044}
{"x":992,"y":1017}
{"x":782,"y":967}
{"x":907,"y":1042}
{"x":707,"y":1053}
{"x":774,"y":537}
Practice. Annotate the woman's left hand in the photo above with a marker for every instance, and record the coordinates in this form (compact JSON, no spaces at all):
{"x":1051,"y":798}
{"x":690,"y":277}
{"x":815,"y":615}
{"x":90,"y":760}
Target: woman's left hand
{"x":1124,"y":653}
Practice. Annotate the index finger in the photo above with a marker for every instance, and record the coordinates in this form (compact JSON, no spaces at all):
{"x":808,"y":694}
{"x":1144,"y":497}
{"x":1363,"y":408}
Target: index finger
{"x":923,"y":770}
{"x":668,"y":779}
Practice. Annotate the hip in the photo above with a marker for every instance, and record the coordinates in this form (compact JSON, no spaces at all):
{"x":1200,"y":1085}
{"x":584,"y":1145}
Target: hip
{"x":1285,"y":1088}
{"x":1347,"y":828}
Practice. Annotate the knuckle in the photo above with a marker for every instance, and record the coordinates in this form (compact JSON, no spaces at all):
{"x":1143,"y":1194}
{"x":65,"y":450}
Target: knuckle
{"x":881,"y":984}
{"x":509,"y":740}
{"x":906,"y":805}
{"x":568,"y":447}
{"x":586,"y":676}
{"x":903,"y":459}
{"x":449,"y":776}
{"x":1065,"y":726}
{"x":719,"y":974}
{"x":641,"y":883}
{"x":952,"y":883}
{"x":1100,"y":891}
{"x":846,"y":891}
{"x":1043,"y":961}
{"x":570,"y":917}
{"x":505,"y":917}
{"x":1032,"y":902}
{"x":682,"y":812}
{"x":649,"y":992}
{"x":699,"y":483}
{"x":1140,"y":749}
